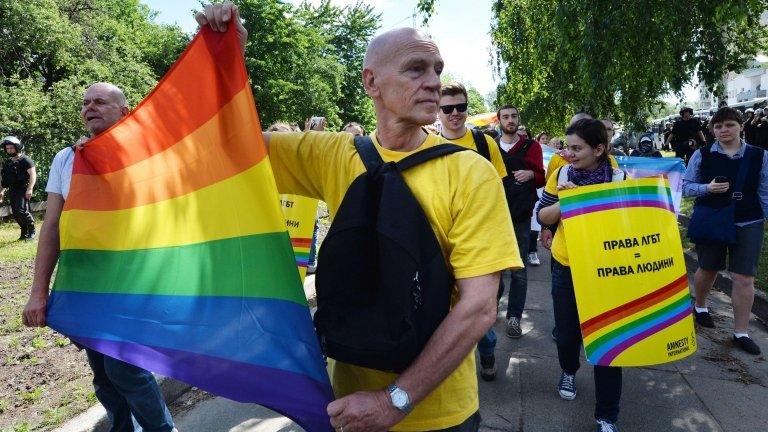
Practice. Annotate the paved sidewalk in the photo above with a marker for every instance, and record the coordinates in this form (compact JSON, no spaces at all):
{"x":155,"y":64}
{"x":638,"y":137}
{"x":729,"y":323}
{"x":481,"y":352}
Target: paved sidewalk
{"x":717,"y":389}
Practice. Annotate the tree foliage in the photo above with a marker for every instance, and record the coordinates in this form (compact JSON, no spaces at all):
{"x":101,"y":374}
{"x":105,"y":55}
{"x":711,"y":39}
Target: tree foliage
{"x":50,"y":50}
{"x":307,"y":60}
{"x":615,"y":58}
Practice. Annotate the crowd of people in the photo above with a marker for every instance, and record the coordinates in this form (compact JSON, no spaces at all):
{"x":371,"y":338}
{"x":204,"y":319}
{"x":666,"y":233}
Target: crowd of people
{"x":479,"y":205}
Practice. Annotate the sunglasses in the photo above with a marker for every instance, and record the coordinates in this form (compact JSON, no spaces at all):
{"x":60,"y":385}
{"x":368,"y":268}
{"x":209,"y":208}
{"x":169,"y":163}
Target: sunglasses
{"x":447,"y":109}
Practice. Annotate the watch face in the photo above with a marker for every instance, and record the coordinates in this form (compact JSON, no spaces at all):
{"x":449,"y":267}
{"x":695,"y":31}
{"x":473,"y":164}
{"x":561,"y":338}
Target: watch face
{"x":399,"y":398}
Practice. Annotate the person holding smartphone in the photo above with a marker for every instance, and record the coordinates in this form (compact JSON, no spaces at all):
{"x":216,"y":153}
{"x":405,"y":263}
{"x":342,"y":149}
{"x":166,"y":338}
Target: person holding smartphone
{"x":711,"y":178}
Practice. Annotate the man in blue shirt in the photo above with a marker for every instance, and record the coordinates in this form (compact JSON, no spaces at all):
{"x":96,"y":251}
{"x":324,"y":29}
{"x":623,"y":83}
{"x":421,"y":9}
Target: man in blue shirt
{"x":710,"y":177}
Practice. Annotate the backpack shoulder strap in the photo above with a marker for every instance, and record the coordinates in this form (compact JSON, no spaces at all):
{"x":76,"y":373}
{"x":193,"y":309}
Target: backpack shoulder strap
{"x":526,"y":145}
{"x":428,"y":154}
{"x":367,"y":151}
{"x":481,"y":144}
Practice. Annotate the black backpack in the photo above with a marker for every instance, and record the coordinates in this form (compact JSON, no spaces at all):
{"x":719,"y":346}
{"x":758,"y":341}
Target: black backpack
{"x":521,"y":197}
{"x":383,"y":286}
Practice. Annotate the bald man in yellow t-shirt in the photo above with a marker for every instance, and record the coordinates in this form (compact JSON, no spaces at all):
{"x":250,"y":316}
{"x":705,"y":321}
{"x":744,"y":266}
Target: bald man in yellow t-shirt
{"x":460,"y":195}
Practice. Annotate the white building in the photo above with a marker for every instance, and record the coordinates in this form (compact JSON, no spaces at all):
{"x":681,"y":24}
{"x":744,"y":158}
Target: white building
{"x":742,"y":87}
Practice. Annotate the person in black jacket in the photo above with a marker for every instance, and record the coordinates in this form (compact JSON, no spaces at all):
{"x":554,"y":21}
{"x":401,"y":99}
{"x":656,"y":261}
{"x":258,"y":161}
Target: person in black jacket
{"x":645,"y":148}
{"x":19,"y":177}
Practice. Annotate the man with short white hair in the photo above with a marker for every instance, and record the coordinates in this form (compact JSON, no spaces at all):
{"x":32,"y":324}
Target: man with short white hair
{"x":126,"y":391}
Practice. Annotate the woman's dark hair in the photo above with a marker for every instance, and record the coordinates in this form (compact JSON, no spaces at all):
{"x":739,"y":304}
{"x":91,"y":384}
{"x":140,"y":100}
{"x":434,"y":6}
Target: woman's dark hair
{"x":538,"y":137}
{"x":592,"y":132}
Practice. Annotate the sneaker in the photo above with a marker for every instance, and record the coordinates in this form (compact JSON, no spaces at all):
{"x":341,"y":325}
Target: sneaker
{"x":703,"y":319}
{"x":488,"y":367}
{"x":606,"y":426}
{"x":533,"y":259}
{"x":567,"y":386}
{"x":747,"y":344}
{"x":554,"y":334}
{"x":513,"y":328}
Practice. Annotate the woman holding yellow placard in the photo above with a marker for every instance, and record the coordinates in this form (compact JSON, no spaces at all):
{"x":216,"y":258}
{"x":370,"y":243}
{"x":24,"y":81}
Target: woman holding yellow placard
{"x":587,"y":141}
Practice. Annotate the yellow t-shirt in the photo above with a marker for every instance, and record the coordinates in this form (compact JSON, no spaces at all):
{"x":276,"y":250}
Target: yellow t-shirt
{"x":497,"y":160}
{"x":558,"y":161}
{"x":464,"y":202}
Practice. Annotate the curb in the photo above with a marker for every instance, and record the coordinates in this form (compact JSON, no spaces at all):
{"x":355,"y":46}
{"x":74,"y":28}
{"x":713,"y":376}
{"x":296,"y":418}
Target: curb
{"x":95,"y":418}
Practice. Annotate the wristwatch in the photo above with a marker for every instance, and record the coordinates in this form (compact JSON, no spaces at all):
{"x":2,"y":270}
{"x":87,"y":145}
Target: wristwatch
{"x":399,"y":398}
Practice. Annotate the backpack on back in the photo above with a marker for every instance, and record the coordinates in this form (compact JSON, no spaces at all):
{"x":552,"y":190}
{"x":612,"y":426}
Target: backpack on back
{"x":383,"y":285}
{"x":521,"y":197}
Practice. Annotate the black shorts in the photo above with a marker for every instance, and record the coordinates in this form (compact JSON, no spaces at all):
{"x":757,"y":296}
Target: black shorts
{"x":742,"y":257}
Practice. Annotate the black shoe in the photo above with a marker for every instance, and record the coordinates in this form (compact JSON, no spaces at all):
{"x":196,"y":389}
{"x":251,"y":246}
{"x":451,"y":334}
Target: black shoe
{"x":746,"y":344}
{"x":23,"y":235}
{"x":488,"y":367}
{"x":31,"y":233}
{"x":703,"y":319}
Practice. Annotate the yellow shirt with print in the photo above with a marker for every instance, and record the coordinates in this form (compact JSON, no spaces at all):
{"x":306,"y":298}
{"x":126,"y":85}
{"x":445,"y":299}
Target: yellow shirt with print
{"x":557,"y":162}
{"x":463,"y":199}
{"x":468,"y":141}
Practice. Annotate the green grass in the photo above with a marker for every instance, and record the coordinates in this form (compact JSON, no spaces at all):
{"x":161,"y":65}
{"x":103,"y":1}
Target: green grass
{"x":11,"y":249}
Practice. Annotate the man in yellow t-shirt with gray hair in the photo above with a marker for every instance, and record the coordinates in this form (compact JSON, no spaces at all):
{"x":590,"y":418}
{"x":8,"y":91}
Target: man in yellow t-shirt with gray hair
{"x":460,"y":195}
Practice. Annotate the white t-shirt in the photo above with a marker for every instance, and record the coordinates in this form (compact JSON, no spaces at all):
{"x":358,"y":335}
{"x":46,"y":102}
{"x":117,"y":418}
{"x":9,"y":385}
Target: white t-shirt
{"x":61,"y":172}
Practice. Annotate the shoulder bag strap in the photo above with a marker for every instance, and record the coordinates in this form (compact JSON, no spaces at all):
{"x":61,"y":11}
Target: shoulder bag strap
{"x":367,"y":151}
{"x":481,"y":144}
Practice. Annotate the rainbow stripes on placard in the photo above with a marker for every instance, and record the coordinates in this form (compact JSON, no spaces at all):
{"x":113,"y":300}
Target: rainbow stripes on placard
{"x":637,"y":196}
{"x":174,"y":250}
{"x":301,"y":248}
{"x":610,"y":333}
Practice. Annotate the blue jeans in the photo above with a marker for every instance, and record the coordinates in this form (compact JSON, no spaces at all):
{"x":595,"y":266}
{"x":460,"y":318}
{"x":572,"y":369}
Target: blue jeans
{"x":518,"y":286}
{"x":128,"y":393}
{"x":607,"y":378}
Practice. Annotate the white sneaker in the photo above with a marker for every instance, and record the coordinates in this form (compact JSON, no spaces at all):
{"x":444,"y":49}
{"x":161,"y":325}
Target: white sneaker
{"x":533,"y":259}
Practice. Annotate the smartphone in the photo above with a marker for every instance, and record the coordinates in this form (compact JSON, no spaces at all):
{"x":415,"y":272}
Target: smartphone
{"x":721,"y":179}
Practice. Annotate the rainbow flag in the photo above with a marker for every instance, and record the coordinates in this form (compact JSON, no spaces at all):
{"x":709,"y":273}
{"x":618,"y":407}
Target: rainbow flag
{"x":174,"y":251}
{"x":629,"y":273}
{"x":671,"y":168}
{"x":300,"y":213}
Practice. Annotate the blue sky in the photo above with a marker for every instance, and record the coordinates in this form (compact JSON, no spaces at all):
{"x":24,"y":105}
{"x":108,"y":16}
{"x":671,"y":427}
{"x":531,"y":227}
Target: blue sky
{"x":460,"y":30}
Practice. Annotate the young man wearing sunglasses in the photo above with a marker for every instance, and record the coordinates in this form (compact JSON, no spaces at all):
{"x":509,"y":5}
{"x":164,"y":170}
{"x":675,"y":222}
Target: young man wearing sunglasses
{"x":453,"y":115}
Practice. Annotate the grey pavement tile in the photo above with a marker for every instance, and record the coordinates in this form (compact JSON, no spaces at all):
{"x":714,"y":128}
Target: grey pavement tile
{"x":738,"y":407}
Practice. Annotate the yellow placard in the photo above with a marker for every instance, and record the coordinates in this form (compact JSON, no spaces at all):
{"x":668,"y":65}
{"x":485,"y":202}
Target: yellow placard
{"x":628,"y":272}
{"x":300,"y":212}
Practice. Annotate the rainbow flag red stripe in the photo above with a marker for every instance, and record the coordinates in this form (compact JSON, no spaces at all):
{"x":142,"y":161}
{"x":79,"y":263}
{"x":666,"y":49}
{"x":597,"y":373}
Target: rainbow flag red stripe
{"x":174,"y":251}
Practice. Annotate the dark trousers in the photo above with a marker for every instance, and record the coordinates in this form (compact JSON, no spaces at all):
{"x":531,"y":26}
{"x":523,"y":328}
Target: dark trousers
{"x":125,"y":390}
{"x":518,"y":286}
{"x":21,"y":210}
{"x":607,"y":379}
{"x":533,"y":242}
{"x":472,"y":424}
